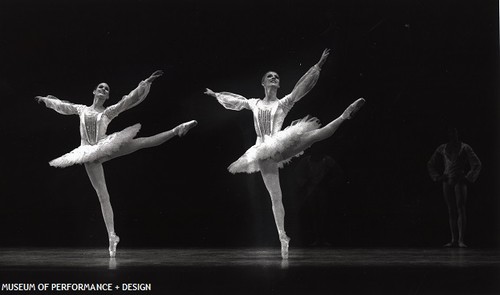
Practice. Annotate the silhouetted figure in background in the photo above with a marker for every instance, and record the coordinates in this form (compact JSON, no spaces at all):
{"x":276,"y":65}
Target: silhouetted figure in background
{"x":318,"y":176}
{"x":461,"y":166}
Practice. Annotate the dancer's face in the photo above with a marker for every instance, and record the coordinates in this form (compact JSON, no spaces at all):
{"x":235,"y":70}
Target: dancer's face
{"x":271,"y":79}
{"x":102,"y":91}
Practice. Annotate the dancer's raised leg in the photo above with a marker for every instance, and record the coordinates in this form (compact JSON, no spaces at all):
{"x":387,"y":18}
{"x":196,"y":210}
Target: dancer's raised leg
{"x":329,"y":130}
{"x":155,"y":140}
{"x":322,"y":133}
{"x":95,"y":172}
{"x":152,"y":141}
{"x":270,"y":175}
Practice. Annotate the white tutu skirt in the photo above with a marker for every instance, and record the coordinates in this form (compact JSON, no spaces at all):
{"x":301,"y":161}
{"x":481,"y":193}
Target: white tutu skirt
{"x":103,"y":148}
{"x":281,"y":147}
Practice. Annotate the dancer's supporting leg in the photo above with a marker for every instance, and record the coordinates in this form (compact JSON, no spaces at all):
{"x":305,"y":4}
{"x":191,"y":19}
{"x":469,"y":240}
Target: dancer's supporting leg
{"x":95,"y":172}
{"x":152,"y":141}
{"x":270,"y":175}
{"x":461,"y":197}
{"x":451,"y":203}
{"x":96,"y":176}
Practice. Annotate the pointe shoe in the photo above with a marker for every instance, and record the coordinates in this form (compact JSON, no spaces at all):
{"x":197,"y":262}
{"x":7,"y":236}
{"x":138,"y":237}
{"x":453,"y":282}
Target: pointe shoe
{"x":284,"y":247}
{"x":113,"y":242}
{"x":353,"y":108}
{"x":182,"y":129}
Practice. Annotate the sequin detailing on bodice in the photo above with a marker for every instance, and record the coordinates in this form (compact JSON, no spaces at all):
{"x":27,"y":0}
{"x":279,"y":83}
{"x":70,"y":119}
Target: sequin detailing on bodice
{"x":91,"y":128}
{"x":264,"y":118}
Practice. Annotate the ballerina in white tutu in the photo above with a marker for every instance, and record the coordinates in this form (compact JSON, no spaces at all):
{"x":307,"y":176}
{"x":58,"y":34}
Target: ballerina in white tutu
{"x":96,"y":147}
{"x":275,"y":147}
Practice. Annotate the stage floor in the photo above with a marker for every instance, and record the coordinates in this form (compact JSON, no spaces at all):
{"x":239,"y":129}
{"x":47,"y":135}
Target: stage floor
{"x":257,"y":270}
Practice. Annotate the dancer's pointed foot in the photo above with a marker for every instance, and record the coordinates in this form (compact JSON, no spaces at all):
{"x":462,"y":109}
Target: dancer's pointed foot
{"x":462,"y":245}
{"x":284,"y":246}
{"x":113,"y":242}
{"x":183,"y":128}
{"x":353,"y":108}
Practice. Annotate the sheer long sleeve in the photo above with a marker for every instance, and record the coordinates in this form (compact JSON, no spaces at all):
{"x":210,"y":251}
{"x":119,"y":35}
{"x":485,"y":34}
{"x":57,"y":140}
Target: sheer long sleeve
{"x":475,"y":164}
{"x":232,"y":101}
{"x":432,"y":165}
{"x":61,"y":106}
{"x":134,"y":98}
{"x":303,"y":86}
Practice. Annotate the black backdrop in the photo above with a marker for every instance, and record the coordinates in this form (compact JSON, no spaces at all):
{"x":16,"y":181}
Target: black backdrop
{"x":421,"y":65}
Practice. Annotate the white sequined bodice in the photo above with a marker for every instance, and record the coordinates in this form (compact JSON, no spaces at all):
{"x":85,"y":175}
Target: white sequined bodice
{"x":93,"y":126}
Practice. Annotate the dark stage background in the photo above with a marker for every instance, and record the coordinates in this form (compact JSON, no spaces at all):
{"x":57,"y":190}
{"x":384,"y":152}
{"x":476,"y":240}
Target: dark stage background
{"x":421,"y":65}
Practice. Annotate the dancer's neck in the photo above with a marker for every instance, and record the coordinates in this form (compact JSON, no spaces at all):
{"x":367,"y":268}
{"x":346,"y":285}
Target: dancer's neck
{"x":98,"y":104}
{"x":270,"y":94}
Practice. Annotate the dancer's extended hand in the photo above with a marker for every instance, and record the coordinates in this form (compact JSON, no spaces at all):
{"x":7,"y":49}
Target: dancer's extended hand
{"x":210,"y":92}
{"x":155,"y":75}
{"x":323,"y":58}
{"x":40,"y":98}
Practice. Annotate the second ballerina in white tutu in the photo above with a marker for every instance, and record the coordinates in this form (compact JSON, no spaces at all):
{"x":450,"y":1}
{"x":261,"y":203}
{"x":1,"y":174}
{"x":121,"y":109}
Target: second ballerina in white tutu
{"x":275,"y":147}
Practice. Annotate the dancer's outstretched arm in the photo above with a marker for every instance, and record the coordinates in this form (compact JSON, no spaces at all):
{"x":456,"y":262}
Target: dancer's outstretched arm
{"x":306,"y":82}
{"x":60,"y":106}
{"x":230,"y":100}
{"x":135,"y":97}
